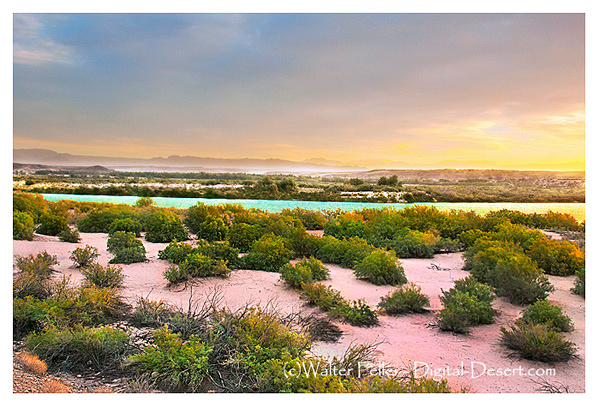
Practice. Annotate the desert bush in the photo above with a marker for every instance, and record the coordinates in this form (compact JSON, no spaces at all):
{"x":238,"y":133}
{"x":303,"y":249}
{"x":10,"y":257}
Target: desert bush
{"x":305,"y":271}
{"x":312,"y":220}
{"x":51,"y":224}
{"x":346,"y":225}
{"x":321,"y":296}
{"x":175,"y":365}
{"x":100,"y":276}
{"x":98,"y":221}
{"x":380,"y":268}
{"x":199,"y":265}
{"x":175,"y":274}
{"x":40,"y":265}
{"x":22,"y":226}
{"x":176,"y":252}
{"x":32,"y":204}
{"x":196,"y":215}
{"x":557,"y":257}
{"x":32,"y":363}
{"x":415,"y":244}
{"x":84,"y":256}
{"x":579,"y":283}
{"x":126,"y":225}
{"x":129,"y":255}
{"x":269,"y":253}
{"x":212,"y":229}
{"x":408,"y":298}
{"x":164,"y":227}
{"x":126,"y":248}
{"x":542,"y":312}
{"x":356,"y":313}
{"x":69,"y":235}
{"x":220,"y":251}
{"x":144,"y":202}
{"x":519,"y":279}
{"x":243,"y":235}
{"x":102,"y":347}
{"x":537,"y":342}
{"x":55,"y":386}
{"x":467,"y":304}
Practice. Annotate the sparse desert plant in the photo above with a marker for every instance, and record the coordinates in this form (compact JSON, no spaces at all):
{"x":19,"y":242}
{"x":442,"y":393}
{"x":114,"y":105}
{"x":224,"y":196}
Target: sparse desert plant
{"x":176,"y":252}
{"x":408,"y":298}
{"x":198,"y":265}
{"x":69,"y":235}
{"x":32,"y":363}
{"x":542,"y":312}
{"x":41,"y":264}
{"x":100,"y":276}
{"x":84,"y":256}
{"x":129,"y":255}
{"x":126,"y":248}
{"x":55,"y":386}
{"x":269,"y":253}
{"x":144,"y":202}
{"x":467,"y":304}
{"x":318,"y":294}
{"x":356,"y":313}
{"x":175,"y":274}
{"x":537,"y":342}
{"x":579,"y":283}
{"x":305,"y":271}
{"x":380,"y":268}
{"x":177,"y":365}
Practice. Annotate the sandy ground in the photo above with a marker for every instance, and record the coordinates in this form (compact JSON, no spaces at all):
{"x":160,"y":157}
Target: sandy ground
{"x":471,"y":361}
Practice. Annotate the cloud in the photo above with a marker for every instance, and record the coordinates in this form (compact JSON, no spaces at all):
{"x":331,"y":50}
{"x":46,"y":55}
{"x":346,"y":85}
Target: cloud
{"x":31,"y":47}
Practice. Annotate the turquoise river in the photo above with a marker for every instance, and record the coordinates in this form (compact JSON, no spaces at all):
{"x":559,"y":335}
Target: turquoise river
{"x":574,"y":209}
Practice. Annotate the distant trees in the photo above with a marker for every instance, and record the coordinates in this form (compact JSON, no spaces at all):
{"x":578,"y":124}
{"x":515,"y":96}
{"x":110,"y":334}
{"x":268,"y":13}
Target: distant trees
{"x":392,"y":181}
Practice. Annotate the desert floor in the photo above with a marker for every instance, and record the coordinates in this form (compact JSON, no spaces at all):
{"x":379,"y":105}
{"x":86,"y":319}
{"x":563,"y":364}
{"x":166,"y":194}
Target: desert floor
{"x":475,"y":361}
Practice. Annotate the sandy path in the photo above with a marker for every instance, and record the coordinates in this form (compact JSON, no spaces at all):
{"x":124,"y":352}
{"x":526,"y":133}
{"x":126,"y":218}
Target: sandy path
{"x":406,"y":340}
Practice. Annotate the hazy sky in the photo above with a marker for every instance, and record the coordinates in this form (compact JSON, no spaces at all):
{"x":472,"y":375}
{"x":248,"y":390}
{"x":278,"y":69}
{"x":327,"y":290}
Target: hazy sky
{"x":460,"y":91}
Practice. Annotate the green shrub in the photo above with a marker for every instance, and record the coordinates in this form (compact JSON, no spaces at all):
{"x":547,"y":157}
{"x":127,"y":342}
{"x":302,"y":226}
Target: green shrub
{"x":467,"y":304}
{"x":129,"y":255}
{"x":174,"y":364}
{"x":380,"y":268}
{"x":196,"y":215}
{"x":176,"y":252}
{"x":304,"y":271}
{"x":84,"y":256}
{"x":269,"y":253}
{"x":98,"y":275}
{"x":102,"y":347}
{"x":125,"y":225}
{"x":356,"y":313}
{"x":519,"y":279}
{"x":220,"y":251}
{"x":98,"y":221}
{"x":32,"y":204}
{"x":321,"y":296}
{"x":557,"y":257}
{"x":164,"y":227}
{"x":542,"y":312}
{"x":51,"y":224}
{"x":408,"y":298}
{"x":579,"y":283}
{"x":212,"y":229}
{"x":243,"y":235}
{"x":472,"y":286}
{"x":537,"y":342}
{"x":144,"y":202}
{"x":126,"y":248}
{"x":39,"y":265}
{"x":22,"y":226}
{"x":415,"y":244}
{"x":198,"y":265}
{"x":175,"y":274}
{"x":312,"y":220}
{"x":69,"y":235}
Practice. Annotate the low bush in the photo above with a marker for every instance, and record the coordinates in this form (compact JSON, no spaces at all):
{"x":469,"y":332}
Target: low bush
{"x":102,"y":347}
{"x":126,"y":248}
{"x":176,"y":252}
{"x":22,"y":226}
{"x":321,"y":296}
{"x":519,"y":279}
{"x":557,"y":257}
{"x":408,"y":298}
{"x":312,"y":220}
{"x":381,"y":268}
{"x":579,"y":283}
{"x":243,"y":235}
{"x":465,"y":305}
{"x":269,"y":253}
{"x":129,"y":255}
{"x":198,"y":265}
{"x":356,"y":313}
{"x":220,"y":251}
{"x":84,"y":256}
{"x":305,"y":271}
{"x":126,"y":225}
{"x":542,"y":312}
{"x":164,"y":227}
{"x":174,"y":364}
{"x":39,"y":265}
{"x":100,"y":276}
{"x":32,"y":363}
{"x":212,"y":229}
{"x":537,"y":342}
{"x":69,"y":235}
{"x":51,"y":224}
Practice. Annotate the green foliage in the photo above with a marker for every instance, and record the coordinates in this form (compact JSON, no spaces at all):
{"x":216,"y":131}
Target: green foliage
{"x":175,"y":274}
{"x":84,"y":256}
{"x":22,"y":226}
{"x":197,"y":214}
{"x":100,"y":276}
{"x":126,"y":248}
{"x":243,"y":235}
{"x":32,"y":204}
{"x":144,"y":202}
{"x":305,"y":271}
{"x":102,"y":347}
{"x":467,"y":304}
{"x":356,"y":313}
{"x":269,"y":253}
{"x":51,"y":224}
{"x":164,"y":227}
{"x":408,"y":298}
{"x":212,"y":229}
{"x":287,"y":186}
{"x":557,"y":257}
{"x":176,"y":252}
{"x":321,"y":296}
{"x":69,"y":235}
{"x":537,"y":342}
{"x":199,"y":265}
{"x":220,"y":251}
{"x":380,"y":268}
{"x":99,"y":221}
{"x":40,"y":265}
{"x":579,"y":283}
{"x":312,"y":220}
{"x":33,"y":278}
{"x":125,"y":225}
{"x":415,"y":244}
{"x":542,"y":312}
{"x":176,"y":365}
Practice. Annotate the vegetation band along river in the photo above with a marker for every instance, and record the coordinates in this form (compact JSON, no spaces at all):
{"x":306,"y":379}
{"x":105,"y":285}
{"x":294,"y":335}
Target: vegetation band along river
{"x":577,"y":210}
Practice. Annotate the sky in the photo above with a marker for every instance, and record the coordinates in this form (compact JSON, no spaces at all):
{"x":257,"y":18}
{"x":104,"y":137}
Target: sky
{"x":378,"y":90}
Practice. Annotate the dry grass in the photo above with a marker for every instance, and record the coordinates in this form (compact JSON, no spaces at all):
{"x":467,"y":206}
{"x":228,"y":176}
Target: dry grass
{"x":55,"y":386}
{"x":103,"y":389}
{"x":32,"y":363}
